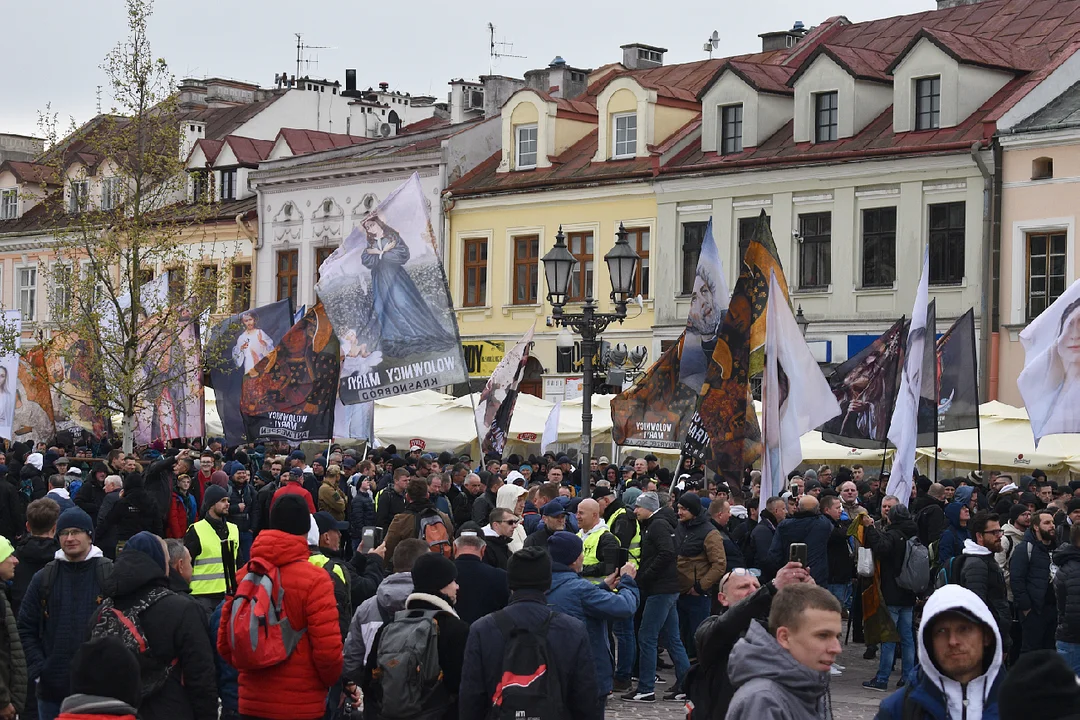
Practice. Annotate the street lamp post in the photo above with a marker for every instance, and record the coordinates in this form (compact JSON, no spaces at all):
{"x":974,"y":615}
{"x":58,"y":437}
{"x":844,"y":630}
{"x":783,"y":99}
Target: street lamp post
{"x":559,"y":265}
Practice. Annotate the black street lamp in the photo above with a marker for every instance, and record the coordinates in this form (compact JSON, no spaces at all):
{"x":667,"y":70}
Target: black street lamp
{"x":559,"y":264}
{"x":801,"y":321}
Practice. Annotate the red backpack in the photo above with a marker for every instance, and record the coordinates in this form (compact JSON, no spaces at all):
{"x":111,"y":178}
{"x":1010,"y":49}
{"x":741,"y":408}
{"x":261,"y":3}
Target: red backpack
{"x":432,"y":530}
{"x":260,"y":634}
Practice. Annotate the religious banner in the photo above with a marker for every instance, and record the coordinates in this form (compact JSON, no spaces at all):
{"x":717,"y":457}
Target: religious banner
{"x":388,"y":295}
{"x":496,"y":404}
{"x":289,"y":394}
{"x":724,"y":433}
{"x":9,"y":374}
{"x":1050,"y":380}
{"x":33,"y":417}
{"x":235,"y":347}
{"x":174,"y":406}
{"x":865,"y":387}
{"x":656,"y":410}
{"x":70,"y":372}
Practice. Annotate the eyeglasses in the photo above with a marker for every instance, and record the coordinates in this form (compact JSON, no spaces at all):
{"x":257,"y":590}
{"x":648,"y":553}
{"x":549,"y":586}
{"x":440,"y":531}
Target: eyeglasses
{"x":511,"y":523}
{"x":70,"y":532}
{"x":995,"y":533}
{"x":740,"y":572}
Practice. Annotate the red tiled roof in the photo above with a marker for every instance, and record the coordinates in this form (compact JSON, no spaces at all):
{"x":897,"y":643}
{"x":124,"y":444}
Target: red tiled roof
{"x":31,"y":173}
{"x":762,"y":77}
{"x":861,"y":63}
{"x":302,"y":142}
{"x":210,"y":149}
{"x":985,"y":52}
{"x":224,"y":121}
{"x":249,"y":151}
{"x":430,"y":123}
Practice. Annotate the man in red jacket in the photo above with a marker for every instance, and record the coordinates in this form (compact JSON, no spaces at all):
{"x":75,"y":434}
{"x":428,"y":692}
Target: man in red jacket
{"x":296,"y":688}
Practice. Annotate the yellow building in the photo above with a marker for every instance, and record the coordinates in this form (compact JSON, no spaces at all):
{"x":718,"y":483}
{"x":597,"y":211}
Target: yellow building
{"x":584,"y":165}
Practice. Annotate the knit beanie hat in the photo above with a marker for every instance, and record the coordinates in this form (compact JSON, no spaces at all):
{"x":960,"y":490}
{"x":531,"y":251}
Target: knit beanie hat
{"x":6,"y":549}
{"x":219,"y":478}
{"x":75,"y":517}
{"x":565,"y":547}
{"x":432,"y":572}
{"x":290,"y":514}
{"x":106,"y":667}
{"x":648,"y":500}
{"x":133,"y":481}
{"x":148,"y":544}
{"x":212,"y":496}
{"x":530,"y":569}
{"x":691,"y":502}
{"x":1041,"y":684}
{"x":1016,"y":511}
{"x":1072,"y":505}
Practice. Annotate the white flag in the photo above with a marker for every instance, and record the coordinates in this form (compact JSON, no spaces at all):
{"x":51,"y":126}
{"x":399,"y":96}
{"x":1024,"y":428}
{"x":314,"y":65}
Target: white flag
{"x":795,"y":407}
{"x":904,"y":427}
{"x":1050,"y":380}
{"x":10,"y":377}
{"x":551,"y":427}
{"x":495,"y":407}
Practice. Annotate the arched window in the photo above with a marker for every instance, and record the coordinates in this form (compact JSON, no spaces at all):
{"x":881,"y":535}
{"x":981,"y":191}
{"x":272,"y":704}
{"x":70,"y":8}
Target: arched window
{"x":1042,"y":168}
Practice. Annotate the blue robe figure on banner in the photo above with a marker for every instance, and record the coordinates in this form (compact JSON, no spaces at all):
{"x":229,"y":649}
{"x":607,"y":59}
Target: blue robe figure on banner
{"x":403,"y":315}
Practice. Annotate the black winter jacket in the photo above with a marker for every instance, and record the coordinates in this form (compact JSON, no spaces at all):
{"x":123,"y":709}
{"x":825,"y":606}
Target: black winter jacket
{"x":498,"y":552}
{"x":134,"y":512}
{"x":160,"y":479}
{"x":12,"y":509}
{"x":841,"y":564}
{"x":91,"y":494}
{"x":812,"y":528}
{"x":1030,"y":579}
{"x":889,"y":547}
{"x":362,"y":514}
{"x":983,"y":576}
{"x":482,"y":507}
{"x":658,"y":572}
{"x":175,"y":629}
{"x":1067,"y":592}
{"x":482,"y":589}
{"x":33,"y":553}
{"x":761,"y":537}
{"x":568,"y":649}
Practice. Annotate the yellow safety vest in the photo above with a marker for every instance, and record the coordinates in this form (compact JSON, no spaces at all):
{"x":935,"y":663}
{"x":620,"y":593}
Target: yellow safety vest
{"x":590,"y":544}
{"x":635,"y":542}
{"x":320,"y":560}
{"x":208,"y":570}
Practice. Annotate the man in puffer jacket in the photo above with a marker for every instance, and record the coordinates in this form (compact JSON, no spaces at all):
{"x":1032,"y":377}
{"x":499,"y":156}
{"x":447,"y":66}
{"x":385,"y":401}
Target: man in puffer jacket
{"x":978,"y":571}
{"x":295,"y":689}
{"x":700,"y":565}
{"x":1030,"y":578}
{"x":960,"y":670}
{"x":1067,"y":594}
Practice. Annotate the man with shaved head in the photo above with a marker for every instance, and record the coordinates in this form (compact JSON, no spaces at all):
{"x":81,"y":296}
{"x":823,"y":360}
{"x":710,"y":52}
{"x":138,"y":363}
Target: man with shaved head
{"x":807,"y":525}
{"x":597,"y":541}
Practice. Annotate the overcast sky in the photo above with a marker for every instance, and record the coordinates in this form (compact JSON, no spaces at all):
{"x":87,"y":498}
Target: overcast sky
{"x":417,"y":46}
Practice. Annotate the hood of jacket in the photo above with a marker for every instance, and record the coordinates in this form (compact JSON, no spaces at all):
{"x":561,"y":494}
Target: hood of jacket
{"x":907,"y":527}
{"x":95,"y":552}
{"x":279,"y":548}
{"x":508,"y":496}
{"x":394,"y":591}
{"x":978,"y":690}
{"x":758,"y":655}
{"x":665,"y":515}
{"x":952,"y":513}
{"x":973,"y":548}
{"x":38,"y":550}
{"x":132,"y":571}
{"x":963,"y":495}
{"x":1066,"y":554}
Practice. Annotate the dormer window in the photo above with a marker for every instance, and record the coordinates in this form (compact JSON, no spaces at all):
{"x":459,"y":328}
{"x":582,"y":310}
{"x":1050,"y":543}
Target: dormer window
{"x":80,"y":192}
{"x":200,"y":186}
{"x":826,"y":116}
{"x":731,"y":129}
{"x":526,"y":144}
{"x":110,"y":193}
{"x":9,"y":204}
{"x":228,"y":184}
{"x":928,"y":103}
{"x":624,"y":135}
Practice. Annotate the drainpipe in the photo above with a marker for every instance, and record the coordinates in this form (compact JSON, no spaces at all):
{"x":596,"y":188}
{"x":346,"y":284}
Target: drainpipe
{"x":988,"y":299}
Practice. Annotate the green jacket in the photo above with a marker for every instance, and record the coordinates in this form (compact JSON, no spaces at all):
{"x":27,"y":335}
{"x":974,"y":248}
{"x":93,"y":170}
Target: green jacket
{"x":13,"y":676}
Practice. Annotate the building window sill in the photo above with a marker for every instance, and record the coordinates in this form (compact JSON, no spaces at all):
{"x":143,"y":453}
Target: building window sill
{"x":876,"y":290}
{"x":813,"y":291}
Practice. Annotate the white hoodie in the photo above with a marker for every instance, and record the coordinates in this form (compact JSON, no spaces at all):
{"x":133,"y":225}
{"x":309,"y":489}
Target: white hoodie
{"x":977,"y":691}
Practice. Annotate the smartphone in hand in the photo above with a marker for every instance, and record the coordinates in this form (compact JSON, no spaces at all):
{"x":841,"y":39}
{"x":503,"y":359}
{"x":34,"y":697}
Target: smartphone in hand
{"x":797,"y":553}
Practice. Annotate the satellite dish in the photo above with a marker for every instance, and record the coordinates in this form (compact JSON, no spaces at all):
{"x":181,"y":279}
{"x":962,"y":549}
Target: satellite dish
{"x":384,"y":129}
{"x":714,"y":39}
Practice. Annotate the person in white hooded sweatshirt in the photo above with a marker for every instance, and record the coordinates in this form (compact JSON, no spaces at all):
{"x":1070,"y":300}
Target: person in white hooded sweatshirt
{"x":960,"y":670}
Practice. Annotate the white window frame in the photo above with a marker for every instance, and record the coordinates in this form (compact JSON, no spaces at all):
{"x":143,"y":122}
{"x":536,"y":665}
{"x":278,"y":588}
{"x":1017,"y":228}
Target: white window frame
{"x":59,"y":290}
{"x":625,"y":141}
{"x":31,"y":290}
{"x":519,"y":163}
{"x":110,"y":192}
{"x":85,"y":269}
{"x":78,"y":201}
{"x":9,"y":203}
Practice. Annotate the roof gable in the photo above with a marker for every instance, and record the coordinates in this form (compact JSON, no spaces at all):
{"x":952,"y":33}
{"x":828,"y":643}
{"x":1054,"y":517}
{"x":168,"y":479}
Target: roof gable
{"x":970,"y":50}
{"x":859,"y":63}
{"x":30,"y":173}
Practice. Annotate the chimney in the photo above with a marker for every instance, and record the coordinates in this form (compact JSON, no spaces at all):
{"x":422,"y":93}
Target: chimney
{"x":350,"y":80}
{"x":384,"y":86}
{"x":192,"y":94}
{"x":943,"y":4}
{"x":783,"y":39}
{"x":639,"y":56}
{"x":497,"y":90}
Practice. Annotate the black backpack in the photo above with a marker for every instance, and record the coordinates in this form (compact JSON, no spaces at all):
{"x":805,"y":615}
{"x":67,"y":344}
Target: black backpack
{"x":529,"y":684}
{"x":128,"y":626}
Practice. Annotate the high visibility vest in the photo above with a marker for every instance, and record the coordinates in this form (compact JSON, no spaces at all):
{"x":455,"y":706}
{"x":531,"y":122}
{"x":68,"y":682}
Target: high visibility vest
{"x":635,"y":542}
{"x":320,"y":560}
{"x":208,"y":570}
{"x":589,"y":546}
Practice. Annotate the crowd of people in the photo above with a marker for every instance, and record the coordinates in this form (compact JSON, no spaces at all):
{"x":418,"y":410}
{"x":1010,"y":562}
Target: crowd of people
{"x":202,"y":581}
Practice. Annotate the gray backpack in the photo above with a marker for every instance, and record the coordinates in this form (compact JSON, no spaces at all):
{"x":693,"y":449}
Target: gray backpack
{"x":915,"y":572}
{"x":408,"y":671}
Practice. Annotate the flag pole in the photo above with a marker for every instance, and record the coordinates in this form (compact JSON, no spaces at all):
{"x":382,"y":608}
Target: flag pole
{"x":978,"y":419}
{"x":892,"y":407}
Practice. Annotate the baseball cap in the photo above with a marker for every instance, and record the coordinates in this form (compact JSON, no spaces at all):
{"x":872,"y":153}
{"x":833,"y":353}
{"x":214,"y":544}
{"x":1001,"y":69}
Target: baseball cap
{"x":326,"y":522}
{"x":553,"y":508}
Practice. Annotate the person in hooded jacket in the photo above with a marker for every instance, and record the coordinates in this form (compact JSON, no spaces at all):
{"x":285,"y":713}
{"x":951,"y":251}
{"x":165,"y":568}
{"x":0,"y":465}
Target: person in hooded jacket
{"x":783,"y":672}
{"x":958,"y":514}
{"x":595,"y":605}
{"x":498,"y":534}
{"x":1067,"y":595}
{"x":12,"y":508}
{"x":513,"y":497}
{"x":1030,"y":577}
{"x":184,"y":510}
{"x":978,"y":571}
{"x":135,"y":511}
{"x":761,"y":537}
{"x":889,"y":547}
{"x":960,"y":662}
{"x":175,"y":630}
{"x":296,"y":688}
{"x":92,"y":492}
{"x":32,"y":483}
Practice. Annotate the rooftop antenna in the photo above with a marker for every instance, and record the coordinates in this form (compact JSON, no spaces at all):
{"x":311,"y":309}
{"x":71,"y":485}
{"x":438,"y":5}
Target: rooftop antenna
{"x":301,"y":47}
{"x":712,"y":43}
{"x":498,"y":49}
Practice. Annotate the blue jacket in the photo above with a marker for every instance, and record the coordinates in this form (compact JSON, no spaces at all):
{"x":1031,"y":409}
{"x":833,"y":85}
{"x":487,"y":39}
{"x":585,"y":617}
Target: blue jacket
{"x":594,"y":605}
{"x":1030,"y":579}
{"x":482,"y":589}
{"x":568,"y":650}
{"x":811,"y":528}
{"x":361,"y":514}
{"x":927,"y":697}
{"x":952,"y":540}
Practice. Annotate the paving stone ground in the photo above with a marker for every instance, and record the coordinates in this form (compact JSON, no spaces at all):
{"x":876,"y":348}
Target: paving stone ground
{"x":850,"y":700}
